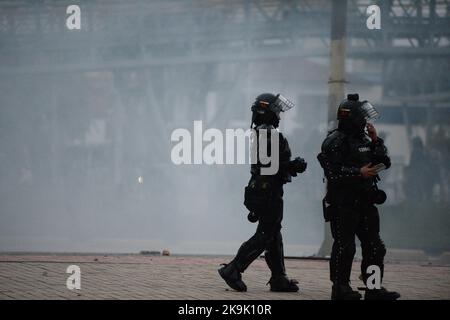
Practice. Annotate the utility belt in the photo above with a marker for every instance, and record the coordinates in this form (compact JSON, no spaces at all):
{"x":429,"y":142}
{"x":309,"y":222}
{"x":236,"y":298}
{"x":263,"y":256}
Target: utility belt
{"x":351,"y":197}
{"x":261,"y":191}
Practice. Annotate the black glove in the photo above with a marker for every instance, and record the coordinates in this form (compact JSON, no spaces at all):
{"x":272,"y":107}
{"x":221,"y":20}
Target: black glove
{"x":298,"y":165}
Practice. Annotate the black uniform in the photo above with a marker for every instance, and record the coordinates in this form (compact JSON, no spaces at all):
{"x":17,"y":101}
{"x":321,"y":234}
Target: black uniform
{"x":268,"y":236}
{"x":350,"y":201}
{"x":264,"y":198}
{"x":349,"y":194}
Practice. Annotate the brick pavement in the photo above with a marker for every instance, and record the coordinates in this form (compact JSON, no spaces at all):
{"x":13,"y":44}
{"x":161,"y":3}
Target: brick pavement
{"x":191,"y":277}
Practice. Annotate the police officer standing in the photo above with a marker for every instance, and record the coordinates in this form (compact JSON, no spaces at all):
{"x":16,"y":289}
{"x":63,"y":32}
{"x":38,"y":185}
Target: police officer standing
{"x":351,"y":160}
{"x":264,"y":198}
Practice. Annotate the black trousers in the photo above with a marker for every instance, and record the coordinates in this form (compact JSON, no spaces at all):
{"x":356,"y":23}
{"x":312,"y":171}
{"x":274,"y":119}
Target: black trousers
{"x":362,"y":220}
{"x":266,"y":238}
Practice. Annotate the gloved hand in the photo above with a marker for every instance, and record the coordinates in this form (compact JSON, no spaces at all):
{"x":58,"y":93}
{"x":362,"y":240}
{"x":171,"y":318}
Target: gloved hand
{"x":298,"y":165}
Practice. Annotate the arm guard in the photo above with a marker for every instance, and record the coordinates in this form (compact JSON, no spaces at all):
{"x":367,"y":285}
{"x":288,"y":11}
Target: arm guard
{"x":332,"y":162}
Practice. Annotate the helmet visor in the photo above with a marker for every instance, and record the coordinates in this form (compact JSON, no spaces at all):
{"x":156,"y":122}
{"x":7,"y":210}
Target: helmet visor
{"x":369,"y":113}
{"x":281,"y":104}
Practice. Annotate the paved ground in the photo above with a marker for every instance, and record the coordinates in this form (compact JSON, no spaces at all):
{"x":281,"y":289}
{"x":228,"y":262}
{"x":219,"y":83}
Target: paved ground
{"x":185,"y":277}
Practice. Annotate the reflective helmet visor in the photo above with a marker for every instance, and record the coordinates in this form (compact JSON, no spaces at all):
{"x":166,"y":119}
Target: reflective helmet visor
{"x":368,"y":111}
{"x":281,"y":104}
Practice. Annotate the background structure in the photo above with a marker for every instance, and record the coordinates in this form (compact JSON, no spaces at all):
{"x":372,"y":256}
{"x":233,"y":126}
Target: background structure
{"x":85,"y":113}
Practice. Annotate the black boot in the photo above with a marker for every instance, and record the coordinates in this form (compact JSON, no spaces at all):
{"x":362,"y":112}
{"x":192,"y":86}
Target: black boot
{"x":232,"y":277}
{"x":381,"y":294}
{"x":283,"y":284}
{"x":344,"y":292}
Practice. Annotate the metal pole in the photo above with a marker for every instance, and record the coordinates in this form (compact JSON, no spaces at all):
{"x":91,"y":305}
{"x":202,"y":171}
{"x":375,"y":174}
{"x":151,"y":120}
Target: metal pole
{"x":336,"y":84}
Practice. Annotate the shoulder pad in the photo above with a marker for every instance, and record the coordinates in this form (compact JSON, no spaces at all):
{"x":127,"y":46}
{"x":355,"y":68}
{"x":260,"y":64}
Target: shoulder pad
{"x":333,"y":141}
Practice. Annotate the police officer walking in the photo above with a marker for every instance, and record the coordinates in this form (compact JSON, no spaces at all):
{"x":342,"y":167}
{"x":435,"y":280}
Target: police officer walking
{"x":351,"y":160}
{"x":264,"y":198}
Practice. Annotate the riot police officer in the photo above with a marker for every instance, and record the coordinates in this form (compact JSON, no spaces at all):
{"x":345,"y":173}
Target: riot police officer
{"x":351,"y":160}
{"x":264,"y":199}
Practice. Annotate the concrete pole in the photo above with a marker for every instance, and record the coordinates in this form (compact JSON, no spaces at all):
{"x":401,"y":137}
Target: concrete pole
{"x":336,"y":84}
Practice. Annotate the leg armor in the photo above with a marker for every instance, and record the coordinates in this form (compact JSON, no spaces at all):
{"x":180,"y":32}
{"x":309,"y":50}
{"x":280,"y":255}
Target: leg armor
{"x":373,"y":248}
{"x":343,"y":227}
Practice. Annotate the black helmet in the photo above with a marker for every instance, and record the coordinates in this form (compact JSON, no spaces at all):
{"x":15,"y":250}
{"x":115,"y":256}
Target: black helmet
{"x":267,"y":107}
{"x":354,"y":114}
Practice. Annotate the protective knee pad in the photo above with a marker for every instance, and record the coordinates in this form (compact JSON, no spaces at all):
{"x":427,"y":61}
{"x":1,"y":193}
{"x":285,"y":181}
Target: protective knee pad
{"x":262,"y":240}
{"x":342,"y":253}
{"x":374,"y":251}
{"x":259,"y":240}
{"x":250,"y":250}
